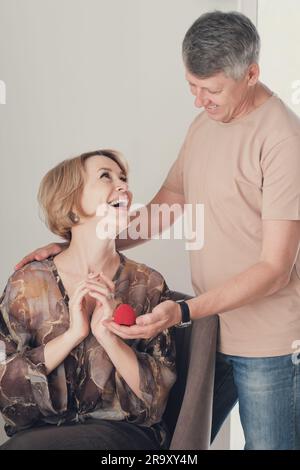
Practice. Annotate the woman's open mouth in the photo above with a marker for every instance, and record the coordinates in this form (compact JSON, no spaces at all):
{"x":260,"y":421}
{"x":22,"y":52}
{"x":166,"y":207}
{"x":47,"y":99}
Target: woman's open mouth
{"x":119,"y":203}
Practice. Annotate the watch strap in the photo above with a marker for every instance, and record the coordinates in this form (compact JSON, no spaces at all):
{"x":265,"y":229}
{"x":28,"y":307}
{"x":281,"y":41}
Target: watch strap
{"x":185,"y":314}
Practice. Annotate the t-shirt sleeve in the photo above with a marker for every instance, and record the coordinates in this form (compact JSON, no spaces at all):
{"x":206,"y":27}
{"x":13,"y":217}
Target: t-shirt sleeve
{"x":174,"y":179}
{"x":281,"y":181}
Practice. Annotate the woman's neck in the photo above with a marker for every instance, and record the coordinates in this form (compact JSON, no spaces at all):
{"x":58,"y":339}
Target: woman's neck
{"x":87,"y":254}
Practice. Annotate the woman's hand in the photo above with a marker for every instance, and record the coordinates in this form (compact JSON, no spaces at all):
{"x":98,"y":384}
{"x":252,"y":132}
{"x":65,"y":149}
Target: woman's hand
{"x":102,"y":290}
{"x":79,"y":318}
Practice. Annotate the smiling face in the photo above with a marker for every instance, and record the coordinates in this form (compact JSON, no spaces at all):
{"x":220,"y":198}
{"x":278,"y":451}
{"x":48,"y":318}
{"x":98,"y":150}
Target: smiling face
{"x":105,"y":193}
{"x":222,"y":97}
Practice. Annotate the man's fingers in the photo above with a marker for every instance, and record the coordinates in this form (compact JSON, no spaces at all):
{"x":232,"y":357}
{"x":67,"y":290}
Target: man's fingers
{"x":41,"y":254}
{"x":122,"y":331}
{"x":46,"y":251}
{"x":130,"y":332}
{"x":27,"y":259}
{"x":148,"y":319}
{"x":22,"y":263}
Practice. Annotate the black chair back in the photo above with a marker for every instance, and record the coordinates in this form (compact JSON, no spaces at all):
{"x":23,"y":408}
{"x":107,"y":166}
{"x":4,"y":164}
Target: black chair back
{"x":182,"y":342}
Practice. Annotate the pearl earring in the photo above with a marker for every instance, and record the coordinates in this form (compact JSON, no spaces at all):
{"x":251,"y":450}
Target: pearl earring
{"x":74,"y":217}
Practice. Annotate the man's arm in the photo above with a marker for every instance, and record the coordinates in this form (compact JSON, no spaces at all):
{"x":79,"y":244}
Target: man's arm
{"x":151,"y":226}
{"x":271,"y":273}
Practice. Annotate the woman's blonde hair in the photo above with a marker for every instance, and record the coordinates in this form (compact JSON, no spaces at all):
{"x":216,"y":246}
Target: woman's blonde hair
{"x":61,"y":189}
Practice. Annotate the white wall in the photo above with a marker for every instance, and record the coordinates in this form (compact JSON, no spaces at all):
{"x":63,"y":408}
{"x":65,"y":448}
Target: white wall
{"x":278,"y":24}
{"x":86,"y":74}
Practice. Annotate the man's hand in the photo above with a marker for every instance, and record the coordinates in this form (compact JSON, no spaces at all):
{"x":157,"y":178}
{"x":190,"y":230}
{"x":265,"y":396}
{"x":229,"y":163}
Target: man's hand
{"x":163,"y":316}
{"x":42,"y":253}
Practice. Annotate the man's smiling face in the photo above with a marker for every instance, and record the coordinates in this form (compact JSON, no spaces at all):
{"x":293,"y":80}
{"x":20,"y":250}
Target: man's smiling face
{"x":222,"y":97}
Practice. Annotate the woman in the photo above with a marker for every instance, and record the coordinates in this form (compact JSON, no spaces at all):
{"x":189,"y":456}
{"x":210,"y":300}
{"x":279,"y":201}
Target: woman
{"x":63,"y":367}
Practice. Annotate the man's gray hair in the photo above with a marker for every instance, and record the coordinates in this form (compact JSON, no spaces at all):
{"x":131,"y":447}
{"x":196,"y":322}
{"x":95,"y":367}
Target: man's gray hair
{"x":221,"y":42}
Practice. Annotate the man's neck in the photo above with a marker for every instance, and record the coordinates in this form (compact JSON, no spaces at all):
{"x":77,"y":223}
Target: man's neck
{"x":258,"y":96}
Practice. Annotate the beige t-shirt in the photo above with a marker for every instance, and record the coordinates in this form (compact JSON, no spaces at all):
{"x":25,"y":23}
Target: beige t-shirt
{"x":244,"y":171}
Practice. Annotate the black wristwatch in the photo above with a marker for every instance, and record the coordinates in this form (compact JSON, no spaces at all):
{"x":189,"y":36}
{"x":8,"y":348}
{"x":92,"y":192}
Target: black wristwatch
{"x":185,"y":315}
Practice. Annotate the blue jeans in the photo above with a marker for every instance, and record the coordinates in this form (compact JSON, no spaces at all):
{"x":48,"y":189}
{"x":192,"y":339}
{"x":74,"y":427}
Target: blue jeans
{"x":268,"y":392}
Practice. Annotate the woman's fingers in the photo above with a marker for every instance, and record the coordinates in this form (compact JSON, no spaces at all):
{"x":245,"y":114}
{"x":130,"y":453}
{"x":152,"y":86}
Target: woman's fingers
{"x":110,"y":284}
{"x":99,"y":296}
{"x":102,"y":289}
{"x":103,"y":302}
{"x":79,"y":287}
{"x":100,"y":278}
{"x":81,"y":295}
{"x":80,"y":291}
{"x":93,"y":276}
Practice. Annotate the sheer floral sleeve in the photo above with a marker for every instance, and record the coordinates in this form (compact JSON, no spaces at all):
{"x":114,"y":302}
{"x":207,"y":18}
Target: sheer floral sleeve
{"x":24,"y":391}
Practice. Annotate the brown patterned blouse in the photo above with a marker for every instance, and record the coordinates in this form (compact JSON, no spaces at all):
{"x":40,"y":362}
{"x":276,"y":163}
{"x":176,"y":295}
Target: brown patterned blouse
{"x":34,"y":310}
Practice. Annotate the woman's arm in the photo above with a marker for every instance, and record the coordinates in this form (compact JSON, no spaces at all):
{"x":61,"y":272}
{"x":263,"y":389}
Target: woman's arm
{"x":24,"y":391}
{"x":124,"y":360}
{"x":58,"y":349}
{"x":145,"y":370}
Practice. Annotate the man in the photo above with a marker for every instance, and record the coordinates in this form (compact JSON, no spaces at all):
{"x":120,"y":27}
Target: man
{"x":241,"y":159}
